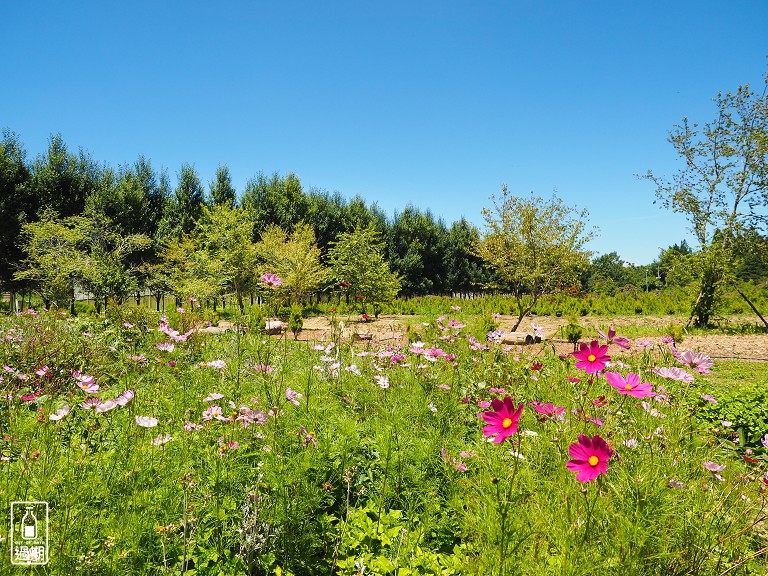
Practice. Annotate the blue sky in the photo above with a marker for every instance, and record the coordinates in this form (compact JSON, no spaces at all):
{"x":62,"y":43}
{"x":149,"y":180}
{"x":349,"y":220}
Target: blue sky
{"x":430,"y":103}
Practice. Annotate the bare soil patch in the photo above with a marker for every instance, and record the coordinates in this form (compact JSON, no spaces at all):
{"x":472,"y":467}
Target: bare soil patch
{"x":391,"y":329}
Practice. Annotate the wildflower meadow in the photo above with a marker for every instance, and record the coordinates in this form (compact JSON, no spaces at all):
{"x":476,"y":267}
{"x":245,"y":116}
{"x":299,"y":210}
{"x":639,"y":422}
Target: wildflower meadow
{"x":163,"y":449}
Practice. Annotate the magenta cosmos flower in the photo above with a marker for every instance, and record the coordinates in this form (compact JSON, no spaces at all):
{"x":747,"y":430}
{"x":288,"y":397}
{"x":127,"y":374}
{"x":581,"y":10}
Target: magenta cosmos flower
{"x":502,"y":419}
{"x":271,"y":280}
{"x":630,"y":385}
{"x":622,"y":341}
{"x":590,"y":457}
{"x":592,"y":358}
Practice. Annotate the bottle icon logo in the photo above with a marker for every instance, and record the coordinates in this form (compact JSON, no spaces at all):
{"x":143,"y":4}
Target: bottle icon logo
{"x":29,"y":533}
{"x":29,"y":525}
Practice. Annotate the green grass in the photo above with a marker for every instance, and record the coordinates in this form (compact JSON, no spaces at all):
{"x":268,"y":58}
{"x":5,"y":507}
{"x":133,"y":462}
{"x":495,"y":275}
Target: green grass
{"x":385,"y":486}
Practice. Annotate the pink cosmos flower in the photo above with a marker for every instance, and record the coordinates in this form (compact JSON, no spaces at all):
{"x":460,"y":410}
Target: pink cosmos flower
{"x":125,"y":398}
{"x":621,"y":341}
{"x":89,"y":403}
{"x":60,"y":413}
{"x":502,"y":420}
{"x":308,"y":437}
{"x":213,"y":396}
{"x":146,"y":421}
{"x":434,"y":353}
{"x":42,"y":371}
{"x":87,"y":383}
{"x":711,"y":399}
{"x":212,"y":412}
{"x":293,"y":396}
{"x":106,"y":406}
{"x":651,"y":410}
{"x":548,"y":410}
{"x":696,"y":360}
{"x":218,"y":364}
{"x":456,"y":308}
{"x":630,"y":385}
{"x":764,"y":441}
{"x":713,"y":466}
{"x":165,"y":346}
{"x":674,"y":374}
{"x":592,"y":358}
{"x":160,"y":440}
{"x":271,"y":280}
{"x":590,"y":457}
{"x":191,"y":426}
{"x":458,"y":464}
{"x":383,"y":381}
{"x":265,"y":368}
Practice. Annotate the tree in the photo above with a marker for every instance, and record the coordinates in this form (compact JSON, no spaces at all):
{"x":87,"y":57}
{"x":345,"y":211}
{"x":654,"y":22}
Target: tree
{"x":185,"y":207}
{"x":465,"y":271}
{"x":222,"y":190}
{"x":607,"y":273}
{"x":106,"y":271}
{"x":223,"y":234}
{"x":17,"y":206}
{"x":415,"y":247}
{"x":535,"y":246}
{"x":61,"y":180}
{"x":357,"y":259}
{"x":276,"y":200}
{"x":722,"y":187}
{"x":54,"y":259}
{"x":295,"y":258}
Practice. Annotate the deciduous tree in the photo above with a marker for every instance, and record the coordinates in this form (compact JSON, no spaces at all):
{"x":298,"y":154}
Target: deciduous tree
{"x":534,"y":245}
{"x":722,"y":187}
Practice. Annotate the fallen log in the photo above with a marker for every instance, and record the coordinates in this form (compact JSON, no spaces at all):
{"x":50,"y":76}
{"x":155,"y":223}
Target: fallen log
{"x":520,"y":338}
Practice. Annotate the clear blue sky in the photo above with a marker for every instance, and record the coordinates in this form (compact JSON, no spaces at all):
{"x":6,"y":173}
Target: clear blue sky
{"x":432,"y":103}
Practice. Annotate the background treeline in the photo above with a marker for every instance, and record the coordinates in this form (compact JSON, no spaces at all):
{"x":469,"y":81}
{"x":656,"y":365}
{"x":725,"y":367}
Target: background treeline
{"x":106,"y":231}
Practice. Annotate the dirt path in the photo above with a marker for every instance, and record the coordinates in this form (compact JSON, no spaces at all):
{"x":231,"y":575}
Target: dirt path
{"x":391,"y":329}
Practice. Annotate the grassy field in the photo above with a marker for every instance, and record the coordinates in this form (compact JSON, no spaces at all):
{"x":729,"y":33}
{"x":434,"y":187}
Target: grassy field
{"x":162,"y":450}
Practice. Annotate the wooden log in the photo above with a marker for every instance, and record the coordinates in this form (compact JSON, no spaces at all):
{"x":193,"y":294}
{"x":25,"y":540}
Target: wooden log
{"x":360,"y":336}
{"x":274,"y":327}
{"x":518,"y":338}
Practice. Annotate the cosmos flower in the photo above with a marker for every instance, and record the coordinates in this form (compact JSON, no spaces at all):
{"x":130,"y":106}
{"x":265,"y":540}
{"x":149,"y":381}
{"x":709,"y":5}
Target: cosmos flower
{"x":630,"y":385}
{"x":271,"y":280}
{"x":146,"y":421}
{"x":611,"y":337}
{"x":293,"y":396}
{"x":674,"y":374}
{"x":590,"y":457}
{"x":696,"y":360}
{"x":592,"y":358}
{"x":502,"y":419}
{"x":60,"y":413}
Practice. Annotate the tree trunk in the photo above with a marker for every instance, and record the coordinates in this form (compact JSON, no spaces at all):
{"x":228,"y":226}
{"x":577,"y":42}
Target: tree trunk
{"x":157,"y":301}
{"x":755,"y":310}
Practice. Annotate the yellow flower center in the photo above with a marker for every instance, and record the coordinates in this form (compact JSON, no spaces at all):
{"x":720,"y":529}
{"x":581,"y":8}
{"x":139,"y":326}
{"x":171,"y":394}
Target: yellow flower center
{"x":591,"y":358}
{"x":628,"y":387}
{"x":506,"y":423}
{"x":593,"y":460}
